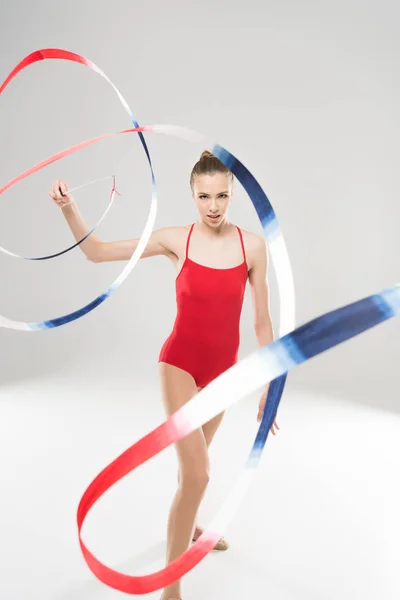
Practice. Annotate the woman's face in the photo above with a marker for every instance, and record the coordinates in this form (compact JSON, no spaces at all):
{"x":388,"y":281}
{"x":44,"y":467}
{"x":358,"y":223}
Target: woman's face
{"x":212,"y":194}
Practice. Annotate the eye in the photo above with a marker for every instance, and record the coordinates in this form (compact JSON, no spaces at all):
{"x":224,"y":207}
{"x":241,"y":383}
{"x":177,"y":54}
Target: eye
{"x":223,"y":195}
{"x":202,"y":196}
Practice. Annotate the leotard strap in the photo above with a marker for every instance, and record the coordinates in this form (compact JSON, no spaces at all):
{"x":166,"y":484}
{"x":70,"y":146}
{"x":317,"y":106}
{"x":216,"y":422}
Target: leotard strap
{"x":241,"y":241}
{"x":188,"y":240}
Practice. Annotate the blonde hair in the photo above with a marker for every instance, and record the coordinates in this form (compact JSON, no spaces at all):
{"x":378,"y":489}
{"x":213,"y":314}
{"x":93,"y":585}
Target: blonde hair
{"x":208,"y":164}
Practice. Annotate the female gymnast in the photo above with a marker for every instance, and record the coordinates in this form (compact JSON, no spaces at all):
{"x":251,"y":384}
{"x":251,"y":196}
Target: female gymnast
{"x":213,"y":259}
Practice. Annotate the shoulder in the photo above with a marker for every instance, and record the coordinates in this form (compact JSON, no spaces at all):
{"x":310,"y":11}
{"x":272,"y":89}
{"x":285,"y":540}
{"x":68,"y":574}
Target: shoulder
{"x":254,"y":240}
{"x":173,"y":239}
{"x":255,"y":246}
{"x":172,"y":232}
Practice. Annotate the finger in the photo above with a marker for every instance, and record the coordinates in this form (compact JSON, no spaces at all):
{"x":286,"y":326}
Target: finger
{"x":56,"y":187}
{"x":57,"y":193}
{"x":54,"y":198}
{"x":60,"y":193}
{"x":63,"y":187}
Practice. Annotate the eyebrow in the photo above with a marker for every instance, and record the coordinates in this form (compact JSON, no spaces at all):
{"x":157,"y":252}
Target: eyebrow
{"x":205,"y":193}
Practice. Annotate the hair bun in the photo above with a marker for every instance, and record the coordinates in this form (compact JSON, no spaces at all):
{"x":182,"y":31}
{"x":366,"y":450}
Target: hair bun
{"x":209,"y":164}
{"x":206,"y":154}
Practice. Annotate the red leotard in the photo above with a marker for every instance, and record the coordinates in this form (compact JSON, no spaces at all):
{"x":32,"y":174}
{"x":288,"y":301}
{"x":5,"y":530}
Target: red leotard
{"x":205,"y":338}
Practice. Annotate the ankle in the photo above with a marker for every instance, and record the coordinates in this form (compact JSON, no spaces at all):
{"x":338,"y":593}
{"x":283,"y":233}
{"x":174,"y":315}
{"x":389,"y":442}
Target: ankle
{"x":197,"y":532}
{"x":170,"y":596}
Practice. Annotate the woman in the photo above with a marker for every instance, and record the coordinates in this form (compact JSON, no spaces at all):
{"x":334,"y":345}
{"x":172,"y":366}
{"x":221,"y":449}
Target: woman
{"x":213,"y":260}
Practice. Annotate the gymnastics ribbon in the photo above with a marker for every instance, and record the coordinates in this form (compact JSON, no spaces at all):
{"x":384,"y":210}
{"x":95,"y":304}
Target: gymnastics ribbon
{"x":271,"y":362}
{"x":266,"y":364}
{"x":58,"y":53}
{"x":260,"y":201}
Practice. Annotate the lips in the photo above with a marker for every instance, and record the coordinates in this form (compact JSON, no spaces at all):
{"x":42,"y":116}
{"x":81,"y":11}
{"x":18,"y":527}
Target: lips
{"x":214,"y":218}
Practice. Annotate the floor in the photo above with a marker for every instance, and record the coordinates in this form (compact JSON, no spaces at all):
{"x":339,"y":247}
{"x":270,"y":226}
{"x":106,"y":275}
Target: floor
{"x":321,"y":521}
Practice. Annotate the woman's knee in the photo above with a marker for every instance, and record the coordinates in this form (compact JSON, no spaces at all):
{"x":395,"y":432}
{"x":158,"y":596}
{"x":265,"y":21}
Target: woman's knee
{"x":195,"y":480}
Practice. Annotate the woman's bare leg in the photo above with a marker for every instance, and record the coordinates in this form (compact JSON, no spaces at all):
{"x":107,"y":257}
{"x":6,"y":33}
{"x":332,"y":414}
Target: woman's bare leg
{"x":209,"y":430}
{"x":178,"y":387}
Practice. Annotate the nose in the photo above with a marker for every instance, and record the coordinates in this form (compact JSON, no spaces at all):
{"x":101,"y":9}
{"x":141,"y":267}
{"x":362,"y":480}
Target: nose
{"x":214,"y":207}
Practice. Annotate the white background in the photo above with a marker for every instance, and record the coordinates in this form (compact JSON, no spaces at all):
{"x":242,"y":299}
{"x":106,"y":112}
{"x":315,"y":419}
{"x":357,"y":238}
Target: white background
{"x":306,"y":95}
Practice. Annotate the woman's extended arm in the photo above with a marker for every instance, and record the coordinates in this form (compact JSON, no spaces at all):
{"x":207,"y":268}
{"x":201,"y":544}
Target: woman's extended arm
{"x":95,"y":249}
{"x":260,"y":293}
{"x":262,"y":317}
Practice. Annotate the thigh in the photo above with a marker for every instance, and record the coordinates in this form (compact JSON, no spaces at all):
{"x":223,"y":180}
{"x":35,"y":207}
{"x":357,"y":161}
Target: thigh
{"x":211,"y":427}
{"x":177,"y":388}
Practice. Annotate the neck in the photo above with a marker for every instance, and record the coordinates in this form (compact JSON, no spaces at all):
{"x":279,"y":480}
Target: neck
{"x":217,"y":230}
